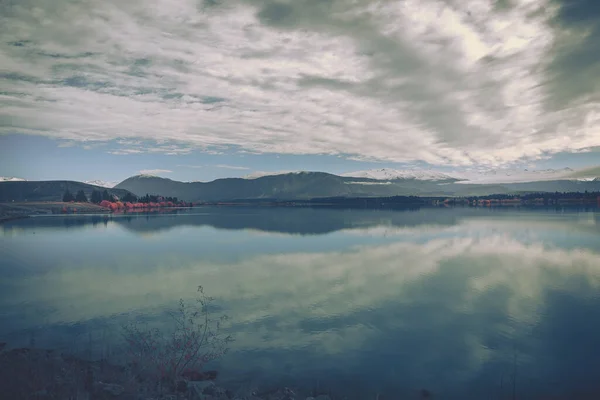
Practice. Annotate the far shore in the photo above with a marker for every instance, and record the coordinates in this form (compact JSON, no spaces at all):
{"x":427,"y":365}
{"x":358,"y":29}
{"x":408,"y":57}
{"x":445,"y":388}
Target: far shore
{"x":18,"y":210}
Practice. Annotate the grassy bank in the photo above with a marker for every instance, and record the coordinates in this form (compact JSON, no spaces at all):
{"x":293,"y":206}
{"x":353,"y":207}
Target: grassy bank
{"x":11,"y":211}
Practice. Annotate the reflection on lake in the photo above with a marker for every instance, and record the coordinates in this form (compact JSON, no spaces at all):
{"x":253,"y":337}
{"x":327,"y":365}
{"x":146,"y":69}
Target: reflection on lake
{"x":362,"y":301}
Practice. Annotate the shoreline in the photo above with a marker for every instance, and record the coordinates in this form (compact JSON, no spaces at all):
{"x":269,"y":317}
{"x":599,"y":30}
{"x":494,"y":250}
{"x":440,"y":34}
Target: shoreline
{"x":15,"y":211}
{"x":20,"y":210}
{"x":30,"y":372}
{"x":8,"y":218}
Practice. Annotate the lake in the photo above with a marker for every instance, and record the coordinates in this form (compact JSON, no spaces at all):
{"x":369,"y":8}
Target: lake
{"x":457,"y":301}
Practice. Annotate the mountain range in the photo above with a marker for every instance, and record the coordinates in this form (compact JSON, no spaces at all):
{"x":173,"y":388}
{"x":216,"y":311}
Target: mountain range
{"x":310,"y":185}
{"x":313,"y":185}
{"x":503,"y":175}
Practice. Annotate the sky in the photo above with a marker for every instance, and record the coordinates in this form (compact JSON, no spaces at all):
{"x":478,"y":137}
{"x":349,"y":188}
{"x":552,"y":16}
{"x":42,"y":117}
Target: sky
{"x":203,"y":89}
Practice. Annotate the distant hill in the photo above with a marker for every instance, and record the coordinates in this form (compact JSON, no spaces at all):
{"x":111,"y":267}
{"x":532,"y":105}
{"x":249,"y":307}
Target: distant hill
{"x":297,"y":185}
{"x":47,"y":190}
{"x":286,"y":187}
{"x":308,"y":185}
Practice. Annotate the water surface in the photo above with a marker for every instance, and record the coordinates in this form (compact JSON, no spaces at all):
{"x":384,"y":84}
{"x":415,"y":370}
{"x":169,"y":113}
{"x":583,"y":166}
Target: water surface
{"x":457,"y":301}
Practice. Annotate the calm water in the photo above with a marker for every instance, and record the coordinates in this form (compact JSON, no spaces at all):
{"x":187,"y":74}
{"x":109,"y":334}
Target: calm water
{"x":452,"y":300}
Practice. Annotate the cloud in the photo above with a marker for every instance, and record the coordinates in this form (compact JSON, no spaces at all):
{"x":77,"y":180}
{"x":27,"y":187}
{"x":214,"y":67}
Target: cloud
{"x":575,"y":59}
{"x":477,"y":82}
{"x":124,"y":152}
{"x":234,"y":167}
{"x":191,"y":166}
{"x":155,"y":171}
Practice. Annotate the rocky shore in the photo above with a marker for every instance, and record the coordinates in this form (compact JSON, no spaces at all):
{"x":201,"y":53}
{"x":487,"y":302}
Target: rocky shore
{"x":27,"y":373}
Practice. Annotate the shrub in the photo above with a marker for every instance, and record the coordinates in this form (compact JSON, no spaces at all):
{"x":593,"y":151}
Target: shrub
{"x":194,"y":340}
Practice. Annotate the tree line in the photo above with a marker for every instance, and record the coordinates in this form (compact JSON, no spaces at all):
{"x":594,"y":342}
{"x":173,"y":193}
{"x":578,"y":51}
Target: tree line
{"x":99,"y":196}
{"x":538,"y":195}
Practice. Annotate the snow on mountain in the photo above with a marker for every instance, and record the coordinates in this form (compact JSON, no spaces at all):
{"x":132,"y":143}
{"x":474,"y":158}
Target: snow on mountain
{"x":98,"y":182}
{"x":367,"y":183}
{"x":146,"y":175}
{"x":515,"y":175}
{"x":384,"y":174}
{"x":11,"y":179}
{"x":260,"y":174}
{"x":478,"y":177}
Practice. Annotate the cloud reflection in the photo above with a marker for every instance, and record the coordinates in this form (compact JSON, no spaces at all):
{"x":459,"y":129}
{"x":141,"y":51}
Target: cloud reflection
{"x":441,"y":306}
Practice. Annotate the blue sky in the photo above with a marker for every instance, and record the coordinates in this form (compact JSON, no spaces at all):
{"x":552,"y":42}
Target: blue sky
{"x":41,"y":158}
{"x":198,"y":90}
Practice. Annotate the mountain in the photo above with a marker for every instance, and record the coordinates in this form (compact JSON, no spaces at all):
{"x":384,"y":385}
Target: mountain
{"x":290,"y":186}
{"x":47,"y":190}
{"x":101,"y":183}
{"x":395,"y":174}
{"x":260,"y":174}
{"x":516,"y":175}
{"x":589,"y":173}
{"x":311,"y":185}
{"x":548,"y":186}
{"x":11,"y":179}
{"x":494,"y":176}
{"x":298,"y":186}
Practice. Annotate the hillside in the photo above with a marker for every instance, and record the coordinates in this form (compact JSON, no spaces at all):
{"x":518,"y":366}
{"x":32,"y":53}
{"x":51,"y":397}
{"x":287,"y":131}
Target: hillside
{"x":290,"y":186}
{"x":299,"y":185}
{"x":47,"y":190}
{"x":308,"y":185}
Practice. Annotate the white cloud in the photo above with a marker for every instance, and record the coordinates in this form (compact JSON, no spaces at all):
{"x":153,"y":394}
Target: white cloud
{"x":234,"y":167}
{"x":154,"y":171}
{"x":446,"y":82}
{"x":124,"y":152}
{"x":191,"y":166}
